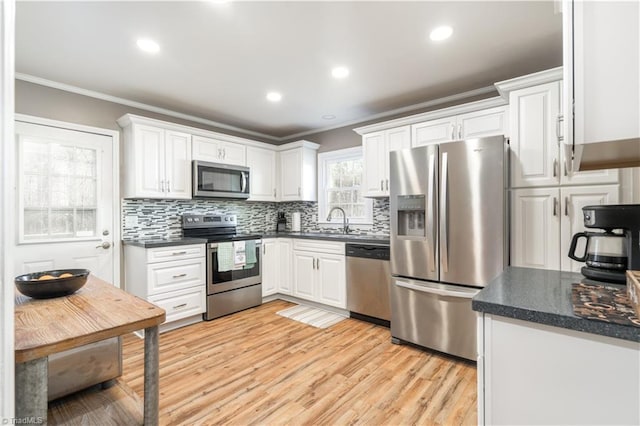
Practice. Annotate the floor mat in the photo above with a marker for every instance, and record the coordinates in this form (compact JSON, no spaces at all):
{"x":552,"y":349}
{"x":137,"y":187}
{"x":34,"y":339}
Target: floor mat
{"x":315,"y":317}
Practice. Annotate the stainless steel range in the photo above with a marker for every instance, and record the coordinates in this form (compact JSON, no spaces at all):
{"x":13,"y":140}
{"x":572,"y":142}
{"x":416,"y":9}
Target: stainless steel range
{"x":234,"y":263}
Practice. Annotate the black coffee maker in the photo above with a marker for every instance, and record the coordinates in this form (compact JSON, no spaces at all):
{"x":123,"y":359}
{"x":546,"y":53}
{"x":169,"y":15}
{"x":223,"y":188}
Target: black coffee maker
{"x":602,"y":264}
{"x":281,"y":225}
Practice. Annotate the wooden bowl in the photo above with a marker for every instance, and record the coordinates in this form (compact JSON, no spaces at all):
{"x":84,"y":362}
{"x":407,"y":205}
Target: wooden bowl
{"x":33,"y":285}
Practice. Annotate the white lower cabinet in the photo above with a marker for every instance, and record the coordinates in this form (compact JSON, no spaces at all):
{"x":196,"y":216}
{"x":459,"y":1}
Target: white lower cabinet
{"x":270,"y":266}
{"x":319,"y":272}
{"x":276,"y":266}
{"x":544,"y":221}
{"x":538,"y":374}
{"x":170,"y":277}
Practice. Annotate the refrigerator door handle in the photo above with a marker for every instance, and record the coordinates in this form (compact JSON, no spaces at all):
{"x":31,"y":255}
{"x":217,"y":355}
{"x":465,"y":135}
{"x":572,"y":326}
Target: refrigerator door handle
{"x":437,"y":291}
{"x":431,"y":210}
{"x":444,"y":214}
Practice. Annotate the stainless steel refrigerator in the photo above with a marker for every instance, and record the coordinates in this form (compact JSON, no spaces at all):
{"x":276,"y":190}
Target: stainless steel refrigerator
{"x":448,"y":239}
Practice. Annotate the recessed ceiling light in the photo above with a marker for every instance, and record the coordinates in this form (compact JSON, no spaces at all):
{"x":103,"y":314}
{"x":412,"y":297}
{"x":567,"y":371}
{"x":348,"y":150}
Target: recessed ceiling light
{"x":274,"y":97}
{"x":148,"y":45}
{"x":441,"y":33}
{"x":329,"y":117}
{"x":340,"y":72}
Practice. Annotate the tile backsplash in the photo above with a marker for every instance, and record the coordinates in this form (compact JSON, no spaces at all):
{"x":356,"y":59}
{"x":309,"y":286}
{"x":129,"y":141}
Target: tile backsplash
{"x":152,"y":219}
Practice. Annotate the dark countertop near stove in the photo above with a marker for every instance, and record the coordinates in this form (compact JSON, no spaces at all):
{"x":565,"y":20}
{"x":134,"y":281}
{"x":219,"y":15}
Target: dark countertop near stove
{"x":544,"y":297}
{"x":153,"y":243}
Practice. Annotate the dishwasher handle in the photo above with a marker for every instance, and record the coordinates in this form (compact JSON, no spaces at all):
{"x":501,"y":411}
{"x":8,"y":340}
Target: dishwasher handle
{"x":438,"y":291}
{"x":368,"y":251}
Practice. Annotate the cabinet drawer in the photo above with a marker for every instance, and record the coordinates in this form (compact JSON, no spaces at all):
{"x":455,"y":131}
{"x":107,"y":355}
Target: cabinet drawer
{"x":162,"y":254}
{"x":319,"y":246}
{"x":181,"y":304}
{"x":176,"y":275}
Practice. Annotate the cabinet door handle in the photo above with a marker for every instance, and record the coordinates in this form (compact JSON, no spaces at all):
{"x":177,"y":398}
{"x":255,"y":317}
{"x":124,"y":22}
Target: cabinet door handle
{"x":459,"y":131}
{"x":318,"y":264}
{"x":566,"y":206}
{"x":387,"y":182}
{"x":180,"y":306}
{"x":555,"y":168}
{"x":313,"y":263}
{"x":179,"y":275}
{"x":559,"y":120}
{"x":264,"y":249}
{"x":168,"y":186}
{"x":555,"y":206}
{"x":224,"y":153}
{"x":274,"y":192}
{"x":162,"y":186}
{"x":177,"y":253}
{"x":565,"y":169}
{"x":453,"y":129}
{"x":299,"y":190}
{"x":381,"y":184}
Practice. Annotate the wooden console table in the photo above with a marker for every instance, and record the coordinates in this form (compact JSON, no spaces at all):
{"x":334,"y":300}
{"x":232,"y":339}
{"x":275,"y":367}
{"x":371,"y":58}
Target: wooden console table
{"x":96,"y":312}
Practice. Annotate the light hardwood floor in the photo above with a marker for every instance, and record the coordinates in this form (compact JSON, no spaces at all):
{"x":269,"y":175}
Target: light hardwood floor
{"x":256,"y":367}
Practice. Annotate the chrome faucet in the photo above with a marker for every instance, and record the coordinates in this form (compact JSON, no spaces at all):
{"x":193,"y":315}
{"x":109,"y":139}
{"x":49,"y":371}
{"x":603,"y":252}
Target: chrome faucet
{"x":345,"y":221}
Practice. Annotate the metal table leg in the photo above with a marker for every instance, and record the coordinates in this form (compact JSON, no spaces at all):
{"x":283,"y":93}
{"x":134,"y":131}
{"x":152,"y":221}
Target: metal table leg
{"x":31,"y":391}
{"x":151,"y":376}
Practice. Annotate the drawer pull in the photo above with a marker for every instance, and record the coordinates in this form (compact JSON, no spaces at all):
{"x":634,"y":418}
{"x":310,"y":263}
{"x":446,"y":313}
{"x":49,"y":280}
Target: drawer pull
{"x":180,"y":306}
{"x":177,"y":253}
{"x":179,"y":275}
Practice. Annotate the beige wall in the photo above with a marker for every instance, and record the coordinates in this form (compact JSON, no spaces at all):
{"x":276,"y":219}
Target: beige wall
{"x":345,"y":137}
{"x":46,"y":102}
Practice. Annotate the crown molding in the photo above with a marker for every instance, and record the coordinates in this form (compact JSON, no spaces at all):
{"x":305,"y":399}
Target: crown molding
{"x":139,"y":105}
{"x":522,"y":82}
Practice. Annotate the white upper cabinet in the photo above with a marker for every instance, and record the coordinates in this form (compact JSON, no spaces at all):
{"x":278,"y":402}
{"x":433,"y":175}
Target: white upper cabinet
{"x":475,"y":124}
{"x":601,"y":46}
{"x":434,"y":131}
{"x":537,"y":157}
{"x":262,"y":172}
{"x":218,"y":151}
{"x":534,"y":143}
{"x":157,"y":161}
{"x":298,"y":172}
{"x":376,"y":149}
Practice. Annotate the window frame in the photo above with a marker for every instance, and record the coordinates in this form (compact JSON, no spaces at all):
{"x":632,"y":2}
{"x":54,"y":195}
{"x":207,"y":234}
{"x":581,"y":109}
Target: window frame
{"x":324,"y":159}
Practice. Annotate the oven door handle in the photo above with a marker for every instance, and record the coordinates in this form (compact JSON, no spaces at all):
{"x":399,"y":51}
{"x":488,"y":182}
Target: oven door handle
{"x":214,"y":246}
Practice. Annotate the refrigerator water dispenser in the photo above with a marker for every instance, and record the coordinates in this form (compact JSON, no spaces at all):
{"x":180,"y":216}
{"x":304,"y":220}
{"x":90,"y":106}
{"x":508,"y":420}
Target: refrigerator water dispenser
{"x":411,"y":216}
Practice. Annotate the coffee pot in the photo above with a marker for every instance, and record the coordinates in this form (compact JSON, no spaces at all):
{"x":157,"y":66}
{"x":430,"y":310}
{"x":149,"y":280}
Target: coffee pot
{"x":608,"y":254}
{"x":605,"y":255}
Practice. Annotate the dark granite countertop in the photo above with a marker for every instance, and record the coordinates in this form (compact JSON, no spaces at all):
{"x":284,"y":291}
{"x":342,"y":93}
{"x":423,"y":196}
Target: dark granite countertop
{"x":544,"y":297}
{"x":346,"y":238}
{"x":152,"y":243}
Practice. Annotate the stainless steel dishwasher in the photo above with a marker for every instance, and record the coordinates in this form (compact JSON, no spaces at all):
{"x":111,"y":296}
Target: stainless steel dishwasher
{"x":368,"y":282}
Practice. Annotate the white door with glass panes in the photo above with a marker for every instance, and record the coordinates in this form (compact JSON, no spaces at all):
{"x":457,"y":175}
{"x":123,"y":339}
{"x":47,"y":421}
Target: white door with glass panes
{"x":65,"y":199}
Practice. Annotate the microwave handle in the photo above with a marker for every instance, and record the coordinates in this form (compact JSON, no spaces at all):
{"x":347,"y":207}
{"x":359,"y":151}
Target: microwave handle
{"x":243,"y":181}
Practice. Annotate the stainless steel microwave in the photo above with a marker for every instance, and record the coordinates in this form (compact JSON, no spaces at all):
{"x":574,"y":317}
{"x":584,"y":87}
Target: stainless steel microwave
{"x":213,"y":180}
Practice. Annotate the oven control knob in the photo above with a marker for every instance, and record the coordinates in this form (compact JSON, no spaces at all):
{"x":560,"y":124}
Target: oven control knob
{"x":195,"y":219}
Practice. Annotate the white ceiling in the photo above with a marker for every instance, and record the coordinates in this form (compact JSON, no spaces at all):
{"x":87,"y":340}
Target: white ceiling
{"x":217,"y":61}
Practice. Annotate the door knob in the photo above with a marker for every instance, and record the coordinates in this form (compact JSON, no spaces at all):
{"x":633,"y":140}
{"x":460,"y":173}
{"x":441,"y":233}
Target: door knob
{"x":105,"y":245}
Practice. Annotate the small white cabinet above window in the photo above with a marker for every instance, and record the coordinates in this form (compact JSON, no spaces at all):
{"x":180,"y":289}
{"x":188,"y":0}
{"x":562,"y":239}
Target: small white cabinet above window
{"x":157,"y":160}
{"x":218,"y":151}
